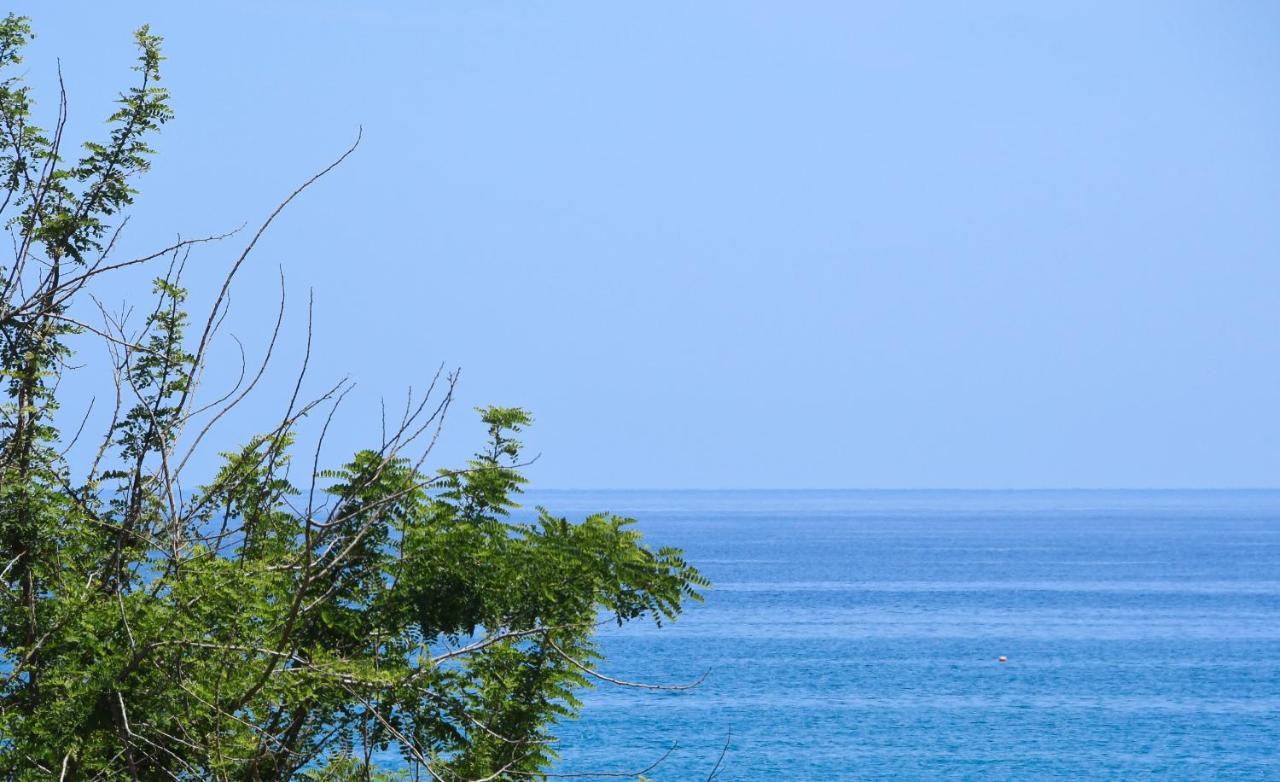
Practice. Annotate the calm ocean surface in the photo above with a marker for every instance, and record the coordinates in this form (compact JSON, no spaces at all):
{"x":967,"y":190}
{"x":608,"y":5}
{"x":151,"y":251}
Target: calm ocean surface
{"x":855,"y":635}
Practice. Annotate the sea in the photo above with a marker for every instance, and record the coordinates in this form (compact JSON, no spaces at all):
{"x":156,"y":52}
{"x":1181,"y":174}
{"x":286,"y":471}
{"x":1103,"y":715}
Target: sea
{"x":859,"y":635}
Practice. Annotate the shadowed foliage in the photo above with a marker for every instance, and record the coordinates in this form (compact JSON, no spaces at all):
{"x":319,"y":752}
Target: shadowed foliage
{"x":251,"y":624}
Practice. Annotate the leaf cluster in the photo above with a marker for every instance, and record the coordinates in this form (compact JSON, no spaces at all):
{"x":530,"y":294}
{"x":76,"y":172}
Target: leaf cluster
{"x":249,"y":624}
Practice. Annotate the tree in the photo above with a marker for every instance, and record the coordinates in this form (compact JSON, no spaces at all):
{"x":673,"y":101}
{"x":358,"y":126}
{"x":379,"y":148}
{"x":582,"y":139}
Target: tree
{"x":247,"y":625}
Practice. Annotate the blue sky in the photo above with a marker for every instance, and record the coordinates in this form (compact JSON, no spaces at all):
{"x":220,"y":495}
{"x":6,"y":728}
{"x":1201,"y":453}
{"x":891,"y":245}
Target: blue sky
{"x":747,"y":244}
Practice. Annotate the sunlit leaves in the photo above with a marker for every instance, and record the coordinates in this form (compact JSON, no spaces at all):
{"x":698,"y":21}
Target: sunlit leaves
{"x":267,"y":622}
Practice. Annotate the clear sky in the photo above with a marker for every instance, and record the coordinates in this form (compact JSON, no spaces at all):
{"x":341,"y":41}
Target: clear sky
{"x":748,"y":244}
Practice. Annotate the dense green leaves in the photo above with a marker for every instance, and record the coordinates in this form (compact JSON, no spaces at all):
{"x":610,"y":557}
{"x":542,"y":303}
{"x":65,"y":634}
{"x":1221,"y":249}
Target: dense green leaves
{"x":253,"y":625}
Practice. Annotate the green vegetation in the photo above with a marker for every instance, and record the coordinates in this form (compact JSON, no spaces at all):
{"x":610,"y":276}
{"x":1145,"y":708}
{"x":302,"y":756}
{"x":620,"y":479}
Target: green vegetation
{"x":249,"y":624}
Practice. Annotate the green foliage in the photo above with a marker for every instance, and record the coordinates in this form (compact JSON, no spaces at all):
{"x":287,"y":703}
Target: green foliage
{"x":255,"y":628}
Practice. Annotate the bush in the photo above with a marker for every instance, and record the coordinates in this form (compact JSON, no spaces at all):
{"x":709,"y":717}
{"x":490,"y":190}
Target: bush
{"x":257,"y":626}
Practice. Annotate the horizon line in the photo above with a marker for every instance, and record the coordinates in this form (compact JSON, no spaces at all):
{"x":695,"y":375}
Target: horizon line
{"x":920,"y":489}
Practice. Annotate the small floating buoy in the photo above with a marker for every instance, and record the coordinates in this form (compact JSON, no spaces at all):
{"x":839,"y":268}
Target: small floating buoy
{"x":1002,"y":659}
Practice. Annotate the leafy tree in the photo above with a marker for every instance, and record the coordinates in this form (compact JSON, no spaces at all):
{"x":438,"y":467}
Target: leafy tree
{"x":245,"y":625}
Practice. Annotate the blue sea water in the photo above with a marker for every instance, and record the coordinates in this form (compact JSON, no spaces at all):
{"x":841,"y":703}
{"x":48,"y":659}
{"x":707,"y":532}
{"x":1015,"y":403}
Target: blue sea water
{"x":855,"y":636}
